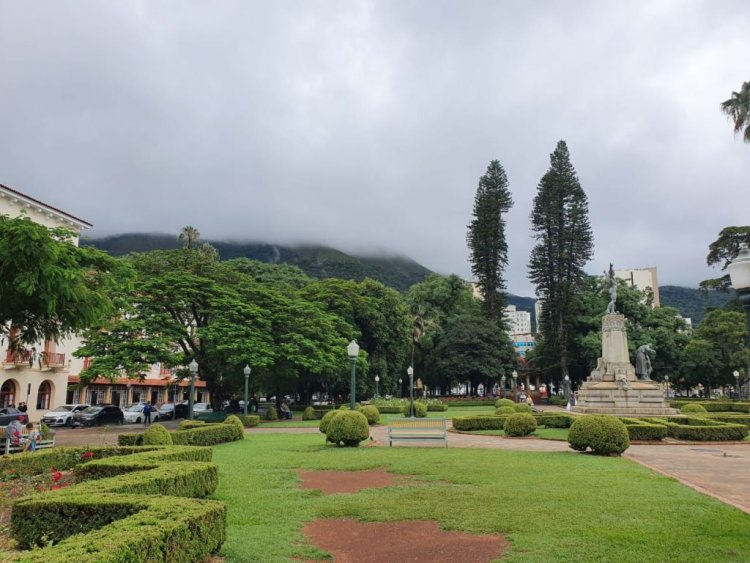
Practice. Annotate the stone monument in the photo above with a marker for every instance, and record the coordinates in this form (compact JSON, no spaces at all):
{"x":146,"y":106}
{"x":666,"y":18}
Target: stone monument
{"x":613,"y":386}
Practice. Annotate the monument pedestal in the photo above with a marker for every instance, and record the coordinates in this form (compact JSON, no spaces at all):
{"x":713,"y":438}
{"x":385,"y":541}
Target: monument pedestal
{"x":613,"y":388}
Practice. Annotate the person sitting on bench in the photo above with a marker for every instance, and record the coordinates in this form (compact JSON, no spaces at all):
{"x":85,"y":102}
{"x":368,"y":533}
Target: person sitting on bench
{"x":286,"y":412}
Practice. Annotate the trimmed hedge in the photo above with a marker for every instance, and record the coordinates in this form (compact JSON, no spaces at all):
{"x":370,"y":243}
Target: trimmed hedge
{"x":348,"y":428}
{"x":156,"y":435}
{"x":308,"y":414}
{"x":435,"y":407}
{"x":715,"y":406}
{"x":420,"y":409}
{"x":504,"y":403}
{"x":519,"y":424}
{"x":554,"y":420}
{"x":496,"y":422}
{"x":693,"y":408}
{"x":644,"y":430}
{"x":522,"y":407}
{"x":459,"y":403}
{"x":196,"y":433}
{"x":140,"y":513}
{"x":371,"y":412}
{"x":604,"y":434}
{"x":701,"y":429}
{"x":323,"y":426}
{"x":504,"y":410}
{"x":249,"y":420}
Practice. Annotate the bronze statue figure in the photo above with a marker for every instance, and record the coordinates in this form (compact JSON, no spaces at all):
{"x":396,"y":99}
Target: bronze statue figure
{"x":612,"y":289}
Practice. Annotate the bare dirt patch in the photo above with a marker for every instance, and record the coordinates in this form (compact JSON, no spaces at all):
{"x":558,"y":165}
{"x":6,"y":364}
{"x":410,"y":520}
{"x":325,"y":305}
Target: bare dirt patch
{"x":349,"y":540}
{"x":330,"y":482}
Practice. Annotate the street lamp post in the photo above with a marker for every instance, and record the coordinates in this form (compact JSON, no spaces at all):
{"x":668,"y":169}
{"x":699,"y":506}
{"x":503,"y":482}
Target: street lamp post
{"x":666,"y":380}
{"x":353,"y":352}
{"x":566,"y":390}
{"x":400,"y":387}
{"x":502,"y":383}
{"x":246,"y":371}
{"x":514,"y":375}
{"x":736,"y":375}
{"x":377,"y":386}
{"x":739,"y":273}
{"x":193,"y":372}
{"x":410,"y":372}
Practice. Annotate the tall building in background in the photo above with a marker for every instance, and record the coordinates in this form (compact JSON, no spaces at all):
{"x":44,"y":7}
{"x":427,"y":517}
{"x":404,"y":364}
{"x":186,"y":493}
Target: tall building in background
{"x":644,"y":279}
{"x":519,"y":322}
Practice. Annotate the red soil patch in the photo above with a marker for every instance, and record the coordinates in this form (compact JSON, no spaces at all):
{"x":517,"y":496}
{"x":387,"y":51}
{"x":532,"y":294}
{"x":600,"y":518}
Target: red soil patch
{"x":416,"y":542}
{"x":331,"y":482}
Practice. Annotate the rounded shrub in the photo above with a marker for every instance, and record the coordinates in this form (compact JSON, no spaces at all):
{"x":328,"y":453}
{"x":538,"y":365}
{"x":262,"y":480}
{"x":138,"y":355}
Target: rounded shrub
{"x":271,"y":413}
{"x":693,"y":408}
{"x":371,"y":412}
{"x":519,"y":424}
{"x":157,"y":435}
{"x":504,"y":403}
{"x":323,"y":426}
{"x":420,"y":409}
{"x":237,"y":423}
{"x":349,"y":428}
{"x":308,"y":414}
{"x":602,"y":433}
{"x":521,"y":407}
{"x":505,"y":410}
{"x":344,"y":408}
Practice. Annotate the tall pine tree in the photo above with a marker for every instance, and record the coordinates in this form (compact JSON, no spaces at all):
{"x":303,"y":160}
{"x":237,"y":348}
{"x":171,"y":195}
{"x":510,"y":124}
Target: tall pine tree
{"x":565,"y":243}
{"x":486,"y":239}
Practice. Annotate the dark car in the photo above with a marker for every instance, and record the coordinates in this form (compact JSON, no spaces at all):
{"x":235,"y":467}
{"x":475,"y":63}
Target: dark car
{"x":9,"y":414}
{"x":170,"y":411}
{"x":98,"y":415}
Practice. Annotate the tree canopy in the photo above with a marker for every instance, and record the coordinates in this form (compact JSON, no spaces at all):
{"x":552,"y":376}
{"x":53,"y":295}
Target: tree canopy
{"x":737,"y":108}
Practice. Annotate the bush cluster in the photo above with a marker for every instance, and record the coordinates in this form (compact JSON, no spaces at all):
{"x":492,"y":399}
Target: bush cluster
{"x":504,"y":410}
{"x":693,"y":408}
{"x":715,"y":406}
{"x":420,"y":409}
{"x":308,"y":414}
{"x":504,"y":403}
{"x":117,"y":505}
{"x":156,"y":435}
{"x":194,"y":433}
{"x":557,"y":400}
{"x":323,"y":426}
{"x":522,"y":407}
{"x":347,"y":428}
{"x":371,"y":412}
{"x":249,"y":420}
{"x":603,"y":434}
{"x":270,"y":413}
{"x":701,"y":429}
{"x":639,"y":429}
{"x":520,"y":424}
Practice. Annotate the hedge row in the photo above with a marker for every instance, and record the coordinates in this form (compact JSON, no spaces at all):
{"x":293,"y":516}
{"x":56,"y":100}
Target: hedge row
{"x":715,"y":406}
{"x":639,"y":429}
{"x":704,"y":429}
{"x":497,"y":422}
{"x":139,"y":514}
{"x":203,"y":434}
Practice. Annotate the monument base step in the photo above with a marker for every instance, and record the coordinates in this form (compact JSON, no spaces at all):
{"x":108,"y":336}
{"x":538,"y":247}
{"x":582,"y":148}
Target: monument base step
{"x":626,"y":411}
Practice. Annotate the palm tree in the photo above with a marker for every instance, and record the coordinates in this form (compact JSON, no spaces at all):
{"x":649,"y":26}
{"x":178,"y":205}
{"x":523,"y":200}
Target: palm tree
{"x":189,"y":237}
{"x":738,"y":109}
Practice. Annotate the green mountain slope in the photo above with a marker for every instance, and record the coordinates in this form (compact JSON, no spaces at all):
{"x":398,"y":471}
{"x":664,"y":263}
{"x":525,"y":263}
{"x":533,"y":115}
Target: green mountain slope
{"x":397,"y":272}
{"x":693,"y":303}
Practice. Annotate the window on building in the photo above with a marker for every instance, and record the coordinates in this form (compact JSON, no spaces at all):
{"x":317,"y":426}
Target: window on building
{"x":96,"y":397}
{"x":43,"y":396}
{"x":8,"y":393}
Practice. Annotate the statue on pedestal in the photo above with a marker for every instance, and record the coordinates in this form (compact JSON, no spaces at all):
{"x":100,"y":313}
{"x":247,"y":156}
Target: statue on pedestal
{"x":643,"y":367}
{"x":612,"y":289}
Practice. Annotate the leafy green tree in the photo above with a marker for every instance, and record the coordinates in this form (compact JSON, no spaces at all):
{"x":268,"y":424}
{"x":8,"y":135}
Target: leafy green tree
{"x":279,"y":275}
{"x":737,"y":108}
{"x":49,"y":287}
{"x":474,"y":349}
{"x":722,"y":251}
{"x":486,"y":239}
{"x":726,"y":332}
{"x":560,"y":222}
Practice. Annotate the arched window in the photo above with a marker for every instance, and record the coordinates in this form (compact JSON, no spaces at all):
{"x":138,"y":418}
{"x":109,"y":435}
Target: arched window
{"x":8,"y":393}
{"x":43,"y":396}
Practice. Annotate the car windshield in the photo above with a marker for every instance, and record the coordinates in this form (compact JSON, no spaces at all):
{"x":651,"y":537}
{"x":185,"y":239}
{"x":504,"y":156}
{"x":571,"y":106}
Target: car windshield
{"x":64,"y":408}
{"x":166,"y":407}
{"x":134,"y":408}
{"x":92,"y":410}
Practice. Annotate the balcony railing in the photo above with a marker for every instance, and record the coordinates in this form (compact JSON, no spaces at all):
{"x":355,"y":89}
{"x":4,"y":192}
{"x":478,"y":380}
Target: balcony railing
{"x":17,"y":357}
{"x":54,"y":360}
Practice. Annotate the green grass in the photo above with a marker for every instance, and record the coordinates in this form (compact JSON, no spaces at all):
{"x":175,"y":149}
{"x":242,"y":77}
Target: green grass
{"x":552,"y":506}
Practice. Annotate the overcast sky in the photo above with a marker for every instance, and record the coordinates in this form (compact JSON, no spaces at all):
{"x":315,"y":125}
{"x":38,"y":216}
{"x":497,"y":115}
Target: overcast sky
{"x":366,"y":125}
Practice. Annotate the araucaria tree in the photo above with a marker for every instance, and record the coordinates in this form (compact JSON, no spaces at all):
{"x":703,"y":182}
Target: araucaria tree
{"x":565,"y":243}
{"x":486,"y":239}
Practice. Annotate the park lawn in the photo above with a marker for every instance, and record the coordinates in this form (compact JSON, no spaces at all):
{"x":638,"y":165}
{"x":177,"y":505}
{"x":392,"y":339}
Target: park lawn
{"x":552,"y":506}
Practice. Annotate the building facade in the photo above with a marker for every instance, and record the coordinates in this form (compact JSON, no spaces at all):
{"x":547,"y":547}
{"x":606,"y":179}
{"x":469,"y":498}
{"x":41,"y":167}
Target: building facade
{"x":643,"y":279}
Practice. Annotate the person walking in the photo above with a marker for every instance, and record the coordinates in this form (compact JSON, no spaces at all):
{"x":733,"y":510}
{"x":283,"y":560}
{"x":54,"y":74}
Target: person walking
{"x":147,"y":408}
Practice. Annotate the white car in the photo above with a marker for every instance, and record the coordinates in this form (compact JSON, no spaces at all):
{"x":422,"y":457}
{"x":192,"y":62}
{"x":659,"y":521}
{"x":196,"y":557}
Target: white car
{"x":200,"y":408}
{"x":134,"y":413}
{"x":62,"y":415}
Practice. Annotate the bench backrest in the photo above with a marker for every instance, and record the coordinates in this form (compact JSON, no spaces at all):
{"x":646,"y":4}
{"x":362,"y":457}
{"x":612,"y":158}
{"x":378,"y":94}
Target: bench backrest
{"x":437,"y":423}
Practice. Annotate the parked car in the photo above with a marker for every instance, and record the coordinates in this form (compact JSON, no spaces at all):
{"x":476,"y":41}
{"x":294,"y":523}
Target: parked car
{"x":9,"y":414}
{"x":98,"y":415}
{"x":170,"y":411}
{"x":62,"y":415}
{"x":134,"y":413}
{"x":200,"y":408}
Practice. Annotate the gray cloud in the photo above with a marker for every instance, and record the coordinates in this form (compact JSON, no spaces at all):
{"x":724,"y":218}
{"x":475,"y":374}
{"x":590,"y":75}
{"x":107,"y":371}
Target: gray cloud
{"x":366,"y":125}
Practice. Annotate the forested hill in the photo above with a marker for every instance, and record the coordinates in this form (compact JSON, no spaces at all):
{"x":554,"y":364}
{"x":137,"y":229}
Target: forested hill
{"x":691,"y":302}
{"x":397,"y":272}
